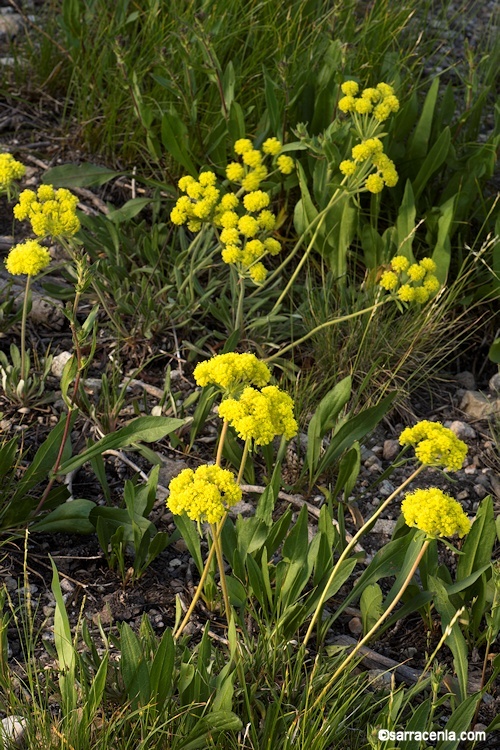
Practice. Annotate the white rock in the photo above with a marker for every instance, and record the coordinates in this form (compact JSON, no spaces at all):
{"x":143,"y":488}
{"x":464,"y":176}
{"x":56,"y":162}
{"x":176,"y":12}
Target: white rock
{"x":494,"y":384}
{"x":48,"y":312}
{"x":462,"y":430}
{"x":58,"y":363}
{"x":477,"y":406}
{"x":13,"y":729}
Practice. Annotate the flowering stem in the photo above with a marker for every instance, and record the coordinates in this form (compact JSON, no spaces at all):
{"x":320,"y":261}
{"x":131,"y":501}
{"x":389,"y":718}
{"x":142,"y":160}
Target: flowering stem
{"x":373,"y":630}
{"x":197,"y":593}
{"x":23,"y":329}
{"x":238,"y":324}
{"x":243,"y":461}
{"x":342,"y":319}
{"x":222,"y":573}
{"x":222,"y":438}
{"x":351,"y":546}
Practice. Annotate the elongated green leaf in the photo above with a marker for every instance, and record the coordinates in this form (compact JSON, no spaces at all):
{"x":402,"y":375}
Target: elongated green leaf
{"x":79,"y":175}
{"x":459,"y":722}
{"x":419,"y":141}
{"x":405,"y":223}
{"x":417,"y":723}
{"x":96,"y":691}
{"x":442,"y":251}
{"x":324,"y":419}
{"x":413,"y":549}
{"x":147,"y":429}
{"x":64,"y":646}
{"x":216,"y":721}
{"x":119,"y":518}
{"x":192,"y":539}
{"x":478,"y":545}
{"x":162,"y":670}
{"x":72,"y":518}
{"x":455,"y":640}
{"x":129,"y":209}
{"x":174,"y":135}
{"x":433,"y":161}
{"x":134,"y":668}
{"x":371,"y":606}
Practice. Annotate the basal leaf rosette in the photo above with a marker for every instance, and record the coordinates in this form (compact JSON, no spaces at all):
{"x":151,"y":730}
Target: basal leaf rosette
{"x":244,"y":224}
{"x":411,"y":282}
{"x":434,"y":512}
{"x":50,"y":212}
{"x":204,"y":494}
{"x":435,"y":445}
{"x":260,"y":415}
{"x":231,"y":371}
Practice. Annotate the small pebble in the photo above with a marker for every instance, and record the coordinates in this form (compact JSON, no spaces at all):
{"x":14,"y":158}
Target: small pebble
{"x":463,"y":495}
{"x":13,"y":729}
{"x":462,"y":429}
{"x":470,"y":469}
{"x":355,"y":625}
{"x":386,"y":488}
{"x":480,"y":490}
{"x":391,"y":449}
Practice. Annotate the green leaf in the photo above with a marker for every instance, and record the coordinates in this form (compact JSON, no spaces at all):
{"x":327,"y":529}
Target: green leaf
{"x":371,"y":606}
{"x":147,"y":429}
{"x":174,"y":135}
{"x":459,"y":722}
{"x":348,"y":472}
{"x":442,"y":251}
{"x":79,"y":175}
{"x":405,"y":223}
{"x":478,"y":546}
{"x":455,"y":640}
{"x":216,"y":721}
{"x":64,"y":646}
{"x":133,"y":668}
{"x":324,"y":419}
{"x":72,"y":518}
{"x":433,"y":161}
{"x":162,"y":670}
{"x":192,"y":539}
{"x":419,"y":141}
{"x":119,"y":518}
{"x":129,"y":209}
{"x":494,"y":352}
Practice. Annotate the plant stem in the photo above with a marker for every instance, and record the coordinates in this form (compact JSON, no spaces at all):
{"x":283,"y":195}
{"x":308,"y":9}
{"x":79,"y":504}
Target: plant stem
{"x":238,"y":324}
{"x":197,"y":593}
{"x":222,"y":572}
{"x":244,"y":457}
{"x":373,"y":630}
{"x":351,"y":546}
{"x":222,"y":438}
{"x":342,"y":319}
{"x":23,"y":328}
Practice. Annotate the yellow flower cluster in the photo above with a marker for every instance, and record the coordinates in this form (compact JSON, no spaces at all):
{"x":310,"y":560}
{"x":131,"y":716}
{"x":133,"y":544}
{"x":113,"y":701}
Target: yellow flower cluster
{"x":435,"y":513}
{"x":230,"y":371}
{"x":27,"y":258}
{"x":51,"y":212}
{"x":204,"y":494}
{"x":435,"y":445}
{"x":10,"y":170}
{"x":260,"y":415}
{"x":244,"y":237}
{"x":371,"y":149}
{"x":378,"y":102}
{"x":421,"y":275}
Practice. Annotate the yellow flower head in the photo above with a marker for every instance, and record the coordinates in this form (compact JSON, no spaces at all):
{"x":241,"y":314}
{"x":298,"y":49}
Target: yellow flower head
{"x":258,"y":272}
{"x":285,"y":164}
{"x":228,"y":202}
{"x":231,"y":371}
{"x":207,"y":179}
{"x":400,"y":264}
{"x":389,"y":280}
{"x":242,"y":146}
{"x":363,"y":106}
{"x":385,"y":89}
{"x":254,"y":178}
{"x":350,"y":88}
{"x":204,"y":494}
{"x":421,"y":295}
{"x":266,"y":220}
{"x":248,"y":226}
{"x":372,"y":94}
{"x":230,"y":236}
{"x":272,"y":146}
{"x":347,"y":104}
{"x":347,"y":167}
{"x":435,"y":445}
{"x":27,"y":258}
{"x":10,"y":170}
{"x":50,"y":212}
{"x":406,"y":293}
{"x":260,"y":415}
{"x":231,"y":254}
{"x":272,"y":246}
{"x":435,"y":513}
{"x":254,"y":248}
{"x":229,"y":220}
{"x":256,"y":201}
{"x":416,"y":272}
{"x":428,"y":264}
{"x":431,"y":283}
{"x":374,"y":183}
{"x":235,"y":172}
{"x":252,"y":158}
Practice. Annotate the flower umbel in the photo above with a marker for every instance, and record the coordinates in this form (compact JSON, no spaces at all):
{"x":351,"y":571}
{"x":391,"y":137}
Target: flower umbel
{"x":51,"y":212}
{"x":28,"y":258}
{"x":230,"y":371}
{"x":204,"y":494}
{"x":435,"y":445}
{"x":260,"y":415}
{"x":10,"y":170}
{"x":435,"y":513}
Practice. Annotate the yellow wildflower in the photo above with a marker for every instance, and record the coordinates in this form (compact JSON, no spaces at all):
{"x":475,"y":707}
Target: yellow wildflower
{"x":435,"y":513}
{"x":260,"y":415}
{"x":374,"y":183}
{"x":285,"y":164}
{"x":252,"y":158}
{"x":388,"y":280}
{"x":350,"y":88}
{"x":266,"y":220}
{"x":406,"y":293}
{"x":49,"y":212}
{"x":231,"y":254}
{"x":347,"y":167}
{"x":27,"y":258}
{"x":10,"y":170}
{"x":435,"y":445}
{"x":385,"y":89}
{"x":256,"y":201}
{"x":230,"y":236}
{"x":421,"y":295}
{"x":400,"y":264}
{"x":235,"y":171}
{"x":363,"y":106}
{"x":207,"y":179}
{"x":428,"y":264}
{"x":229,"y":201}
{"x":248,"y":226}
{"x":254,"y":248}
{"x":272,"y":146}
{"x":204,"y":494}
{"x":258,"y":273}
{"x":347,"y":104}
{"x":272,"y":246}
{"x":229,"y":220}
{"x":372,"y":94}
{"x":416,"y":272}
{"x":431,"y":283}
{"x":243,"y":145}
{"x":230,"y":371}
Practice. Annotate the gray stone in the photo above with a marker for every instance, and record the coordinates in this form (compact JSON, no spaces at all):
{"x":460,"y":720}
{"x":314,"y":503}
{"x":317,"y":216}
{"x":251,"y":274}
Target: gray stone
{"x":169,"y":469}
{"x":480,"y":490}
{"x":494,"y":384}
{"x":391,"y":449}
{"x":462,"y":430}
{"x":355,"y":625}
{"x":384,"y":526}
{"x":476,"y":405}
{"x":13,"y":729}
{"x":386,"y":488}
{"x":10,"y":25}
{"x":467,"y":380}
